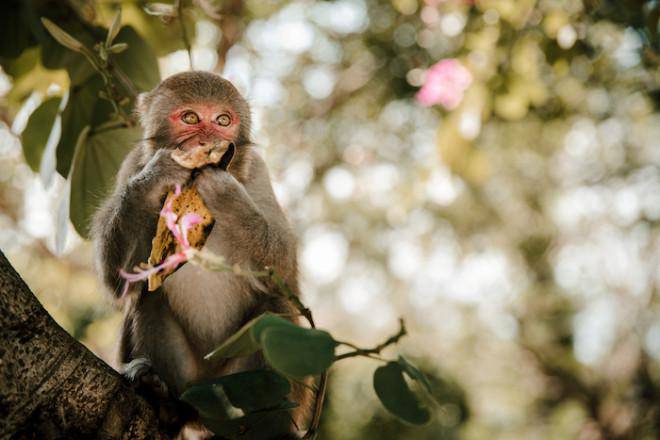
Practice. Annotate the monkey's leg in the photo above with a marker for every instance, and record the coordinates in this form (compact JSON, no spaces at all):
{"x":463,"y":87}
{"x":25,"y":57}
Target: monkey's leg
{"x":158,"y":359}
{"x":158,"y":337}
{"x":138,"y":370}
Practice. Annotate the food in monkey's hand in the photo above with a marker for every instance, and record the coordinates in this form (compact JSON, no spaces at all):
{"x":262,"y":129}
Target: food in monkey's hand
{"x":189,"y":201}
{"x":164,"y":244}
{"x":219,"y":153}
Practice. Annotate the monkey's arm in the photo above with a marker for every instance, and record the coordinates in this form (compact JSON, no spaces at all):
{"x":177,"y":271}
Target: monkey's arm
{"x":125,"y":225}
{"x":250,"y":227}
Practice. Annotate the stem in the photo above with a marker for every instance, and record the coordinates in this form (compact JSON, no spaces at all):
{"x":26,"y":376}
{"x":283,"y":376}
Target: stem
{"x":104,"y":68}
{"x":109,"y":125}
{"x":184,"y":33}
{"x":353,"y":346}
{"x":123,"y":79}
{"x":318,"y":407}
{"x":369,"y":352}
{"x":279,"y":282}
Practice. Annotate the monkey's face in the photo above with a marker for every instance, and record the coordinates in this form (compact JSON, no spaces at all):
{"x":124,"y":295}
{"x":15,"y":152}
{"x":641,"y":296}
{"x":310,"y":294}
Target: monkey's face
{"x":203,"y":124}
{"x":192,"y":109}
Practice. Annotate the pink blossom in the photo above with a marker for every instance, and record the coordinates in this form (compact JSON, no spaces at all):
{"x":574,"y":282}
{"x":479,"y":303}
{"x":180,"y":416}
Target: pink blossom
{"x":186,"y":224}
{"x":445,"y":84}
{"x":179,"y":231}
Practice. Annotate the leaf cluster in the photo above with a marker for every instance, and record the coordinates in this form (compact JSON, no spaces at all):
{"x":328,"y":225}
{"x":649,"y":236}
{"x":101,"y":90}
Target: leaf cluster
{"x":295,"y":353}
{"x":82,"y":133}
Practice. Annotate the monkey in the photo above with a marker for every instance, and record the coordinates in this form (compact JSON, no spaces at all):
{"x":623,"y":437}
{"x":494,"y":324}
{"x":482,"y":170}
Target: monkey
{"x":166,"y":333}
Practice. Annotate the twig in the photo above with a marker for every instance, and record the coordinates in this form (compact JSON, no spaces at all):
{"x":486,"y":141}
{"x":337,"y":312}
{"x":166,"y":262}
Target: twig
{"x":110,"y":90}
{"x":123,"y":79}
{"x":318,"y":407}
{"x":99,"y":58}
{"x":323,"y":381}
{"x":184,"y":34}
{"x":376,"y":350}
{"x":108,"y":125}
{"x":228,"y":19}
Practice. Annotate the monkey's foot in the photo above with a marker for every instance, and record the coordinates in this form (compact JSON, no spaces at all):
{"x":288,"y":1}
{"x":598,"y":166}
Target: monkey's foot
{"x":172,"y":413}
{"x":146,"y":381}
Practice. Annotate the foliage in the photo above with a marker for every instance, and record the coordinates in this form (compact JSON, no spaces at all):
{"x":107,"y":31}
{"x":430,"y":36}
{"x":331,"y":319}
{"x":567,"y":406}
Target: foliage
{"x":235,"y":403}
{"x":104,"y":76}
{"x":296,"y":353}
{"x":517,"y":231}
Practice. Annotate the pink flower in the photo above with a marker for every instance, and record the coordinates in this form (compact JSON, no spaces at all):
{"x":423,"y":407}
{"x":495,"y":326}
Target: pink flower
{"x":179,"y":231}
{"x":445,"y":84}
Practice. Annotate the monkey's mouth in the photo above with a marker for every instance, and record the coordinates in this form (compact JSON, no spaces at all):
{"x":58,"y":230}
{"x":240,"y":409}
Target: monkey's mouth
{"x":217,"y":153}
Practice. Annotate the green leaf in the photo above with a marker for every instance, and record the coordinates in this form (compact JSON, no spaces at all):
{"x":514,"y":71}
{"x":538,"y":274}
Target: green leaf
{"x":269,"y":320}
{"x":211,"y":401}
{"x":392,"y":390}
{"x":76,"y":115}
{"x":118,"y":48}
{"x":292,"y":350}
{"x":62,"y":36}
{"x":138,"y":62}
{"x":95,"y":166}
{"x":53,"y":54}
{"x":249,"y":390}
{"x":37,"y":130}
{"x":256,"y":390}
{"x":240,"y":343}
{"x":24,"y":64}
{"x":114,"y":28}
{"x":298,"y":352}
{"x":414,"y":373}
{"x":250,"y":404}
{"x":254,"y":426}
{"x":246,"y":340}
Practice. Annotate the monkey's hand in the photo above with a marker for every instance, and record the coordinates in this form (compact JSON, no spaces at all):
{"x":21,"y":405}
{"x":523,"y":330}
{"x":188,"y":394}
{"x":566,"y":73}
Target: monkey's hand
{"x":161,"y":174}
{"x":223,"y":194}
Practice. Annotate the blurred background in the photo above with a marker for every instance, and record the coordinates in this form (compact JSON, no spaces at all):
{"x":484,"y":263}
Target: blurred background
{"x":487,"y":170}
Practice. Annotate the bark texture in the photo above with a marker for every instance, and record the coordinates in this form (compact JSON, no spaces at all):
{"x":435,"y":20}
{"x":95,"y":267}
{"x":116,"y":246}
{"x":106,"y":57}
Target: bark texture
{"x":51,"y":386}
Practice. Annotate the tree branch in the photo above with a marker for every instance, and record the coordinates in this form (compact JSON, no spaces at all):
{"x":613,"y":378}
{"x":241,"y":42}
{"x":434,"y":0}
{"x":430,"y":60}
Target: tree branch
{"x":54,"y":387}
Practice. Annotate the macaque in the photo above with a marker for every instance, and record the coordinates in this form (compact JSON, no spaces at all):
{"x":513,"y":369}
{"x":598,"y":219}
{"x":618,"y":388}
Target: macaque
{"x":166,"y":333}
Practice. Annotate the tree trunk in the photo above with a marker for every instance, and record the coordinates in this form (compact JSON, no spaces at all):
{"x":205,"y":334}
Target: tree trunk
{"x":51,"y":386}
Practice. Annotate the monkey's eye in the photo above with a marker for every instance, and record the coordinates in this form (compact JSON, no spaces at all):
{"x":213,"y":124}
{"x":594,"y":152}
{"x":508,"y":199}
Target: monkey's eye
{"x":224,"y":120}
{"x":190,"y":118}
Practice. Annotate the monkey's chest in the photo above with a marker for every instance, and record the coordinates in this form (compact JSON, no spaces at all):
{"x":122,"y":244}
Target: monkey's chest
{"x":209,"y":306}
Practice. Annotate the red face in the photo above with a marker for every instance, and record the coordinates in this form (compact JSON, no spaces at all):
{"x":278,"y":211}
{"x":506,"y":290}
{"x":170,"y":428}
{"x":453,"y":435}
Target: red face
{"x":194,"y":125}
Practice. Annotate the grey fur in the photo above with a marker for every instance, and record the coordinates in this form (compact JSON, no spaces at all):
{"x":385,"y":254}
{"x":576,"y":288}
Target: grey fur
{"x":195,"y":310}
